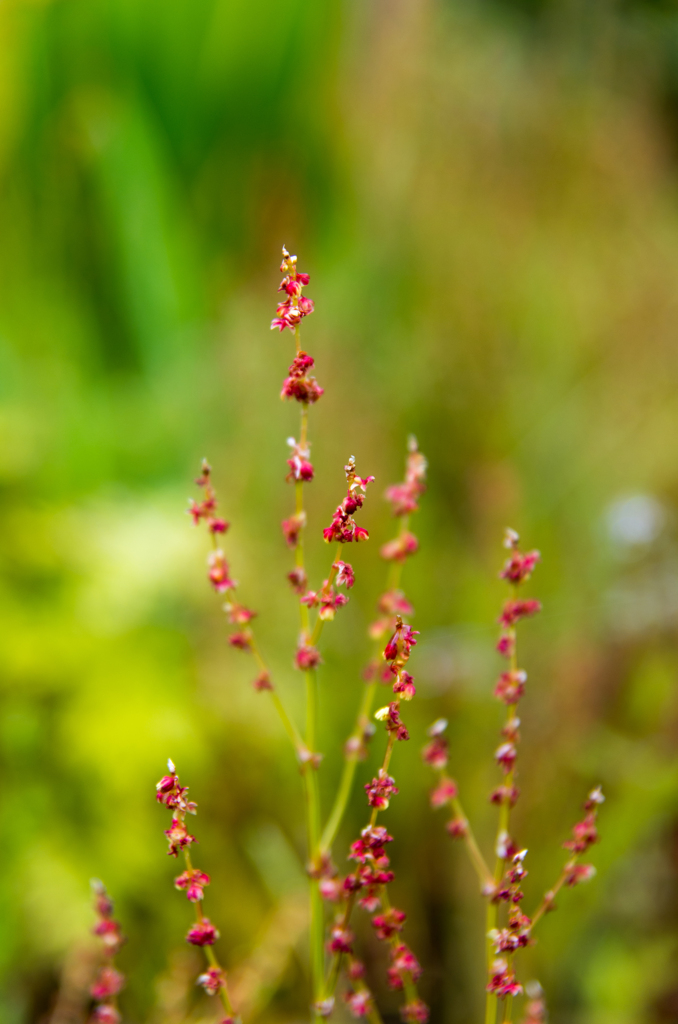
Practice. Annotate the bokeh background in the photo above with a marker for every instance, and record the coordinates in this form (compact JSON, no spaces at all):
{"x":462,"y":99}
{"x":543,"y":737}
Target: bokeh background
{"x":485,"y":195}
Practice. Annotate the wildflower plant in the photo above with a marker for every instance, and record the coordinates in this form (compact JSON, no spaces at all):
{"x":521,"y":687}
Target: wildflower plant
{"x":336,"y":897}
{"x":508,"y":928}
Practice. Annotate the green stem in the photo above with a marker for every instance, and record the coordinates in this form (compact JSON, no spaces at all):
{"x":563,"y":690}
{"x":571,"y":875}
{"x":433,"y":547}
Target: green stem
{"x":348,"y":774}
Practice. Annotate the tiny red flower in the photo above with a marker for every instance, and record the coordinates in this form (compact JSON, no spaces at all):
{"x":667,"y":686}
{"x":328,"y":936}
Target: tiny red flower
{"x":519,"y":567}
{"x":218,"y":572}
{"x":400,"y":548}
{"x":194,"y":882}
{"x":242,"y":640}
{"x":202,"y":933}
{"x":514,"y":611}
{"x":389,"y":923}
{"x":292,"y":528}
{"x":263,"y":681}
{"x":510,"y":687}
{"x":505,"y":756}
{"x":415,"y":1012}
{"x":444,"y":793}
{"x":457,"y":828}
{"x":340,"y":940}
{"x":307,"y":657}
{"x":297,"y":580}
{"x":108,"y":983}
{"x":178,"y":837}
{"x":380,"y":790}
{"x":212,"y":980}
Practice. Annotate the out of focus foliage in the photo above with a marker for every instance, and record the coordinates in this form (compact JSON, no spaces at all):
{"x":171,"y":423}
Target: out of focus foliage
{"x":485,"y":197}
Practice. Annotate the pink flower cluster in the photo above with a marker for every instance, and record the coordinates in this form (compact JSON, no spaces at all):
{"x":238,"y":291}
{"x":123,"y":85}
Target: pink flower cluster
{"x":299,"y":385}
{"x":343,"y":527}
{"x":295,"y":306}
{"x":109,"y":981}
{"x":327,"y":599}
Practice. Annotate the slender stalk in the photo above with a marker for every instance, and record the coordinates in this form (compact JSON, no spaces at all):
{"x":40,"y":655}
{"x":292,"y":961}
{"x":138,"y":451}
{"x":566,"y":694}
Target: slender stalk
{"x":502,"y":831}
{"x":477,"y":860}
{"x":351,"y":758}
{"x":552,"y":893}
{"x":210,"y":955}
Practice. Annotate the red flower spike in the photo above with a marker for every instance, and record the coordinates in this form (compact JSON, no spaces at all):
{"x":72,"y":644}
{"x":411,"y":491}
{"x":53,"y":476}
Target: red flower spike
{"x":296,"y":306}
{"x":202,"y":933}
{"x":343,"y":527}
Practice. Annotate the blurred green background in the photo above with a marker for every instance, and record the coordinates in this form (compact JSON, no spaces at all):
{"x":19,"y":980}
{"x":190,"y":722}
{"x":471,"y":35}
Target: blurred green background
{"x":485,"y":196}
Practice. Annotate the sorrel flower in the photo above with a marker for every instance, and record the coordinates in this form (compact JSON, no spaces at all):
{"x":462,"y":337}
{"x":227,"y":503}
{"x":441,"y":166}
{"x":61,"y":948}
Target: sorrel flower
{"x":109,"y":981}
{"x":389,"y":923}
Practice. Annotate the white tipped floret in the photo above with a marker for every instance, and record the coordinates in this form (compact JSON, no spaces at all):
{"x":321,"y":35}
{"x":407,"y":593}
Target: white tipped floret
{"x":382,"y":714}
{"x":170,"y":765}
{"x":438,"y":727}
{"x":511,"y":538}
{"x":596,"y":796}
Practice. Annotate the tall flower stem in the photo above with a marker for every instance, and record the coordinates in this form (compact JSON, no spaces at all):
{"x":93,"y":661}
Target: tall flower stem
{"x":351,"y":756}
{"x":491,"y":1000}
